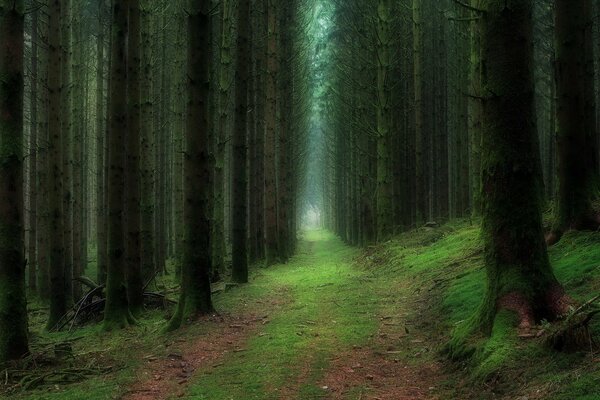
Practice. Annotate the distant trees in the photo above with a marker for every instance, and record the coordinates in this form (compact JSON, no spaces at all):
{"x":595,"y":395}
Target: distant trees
{"x":13,"y":304}
{"x":576,"y":119}
{"x":204,"y":158}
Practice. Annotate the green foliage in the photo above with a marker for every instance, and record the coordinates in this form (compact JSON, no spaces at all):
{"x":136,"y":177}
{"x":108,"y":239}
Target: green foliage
{"x":445,"y":266}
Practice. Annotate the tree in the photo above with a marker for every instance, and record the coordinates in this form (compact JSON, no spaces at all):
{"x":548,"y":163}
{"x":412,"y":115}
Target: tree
{"x":577,"y":141}
{"x":116,"y":312}
{"x":520,"y":280}
{"x":240,"y":152}
{"x":101,"y":149}
{"x":135,"y":286}
{"x":13,"y":305}
{"x":33,"y":146}
{"x":420,"y":200}
{"x":270,"y":202}
{"x":195,"y":297}
{"x":384,"y":115}
{"x":58,"y":291}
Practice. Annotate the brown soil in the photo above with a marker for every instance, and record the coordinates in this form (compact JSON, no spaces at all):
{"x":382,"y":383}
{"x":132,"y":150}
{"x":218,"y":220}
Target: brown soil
{"x":168,"y":377}
{"x":375,"y":373}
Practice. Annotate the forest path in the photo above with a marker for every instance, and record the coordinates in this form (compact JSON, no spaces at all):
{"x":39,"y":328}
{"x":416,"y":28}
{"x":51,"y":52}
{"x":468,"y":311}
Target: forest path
{"x":318,"y":327}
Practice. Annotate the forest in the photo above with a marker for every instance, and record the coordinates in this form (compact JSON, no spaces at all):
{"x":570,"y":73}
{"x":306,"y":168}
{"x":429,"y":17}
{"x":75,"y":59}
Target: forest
{"x":300,"y":199}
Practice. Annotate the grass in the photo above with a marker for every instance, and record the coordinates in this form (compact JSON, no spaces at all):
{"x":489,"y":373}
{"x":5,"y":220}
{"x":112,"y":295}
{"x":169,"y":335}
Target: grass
{"x":445,"y":268}
{"x":330,"y":298}
{"x":330,"y":308}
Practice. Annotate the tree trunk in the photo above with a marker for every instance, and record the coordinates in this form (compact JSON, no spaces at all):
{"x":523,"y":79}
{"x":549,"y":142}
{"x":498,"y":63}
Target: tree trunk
{"x":13,"y":313}
{"x":116,"y":312}
{"x":195,"y":297}
{"x":271,"y":232}
{"x":577,"y":147}
{"x":58,"y":294}
{"x":240,"y":154}
{"x":135,"y":285}
{"x":33,"y":146}
{"x":519,"y":274}
{"x":147,"y":149}
{"x":101,"y":215}
{"x":384,"y":133}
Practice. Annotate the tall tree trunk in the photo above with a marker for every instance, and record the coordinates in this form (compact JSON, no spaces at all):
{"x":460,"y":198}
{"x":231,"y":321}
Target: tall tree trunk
{"x":226,"y":59}
{"x":66,"y":92}
{"x":135,"y":285}
{"x":116,"y":311}
{"x":33,"y":146}
{"x":240,"y":153}
{"x":420,"y":201}
{"x":195,"y":298}
{"x":384,"y":123}
{"x":271,"y":233}
{"x":147,"y":148}
{"x":101,"y":145}
{"x":58,"y":293}
{"x":577,"y":142}
{"x":13,"y":312}
{"x":475,"y":103}
{"x":43,"y":184}
{"x":519,"y":275}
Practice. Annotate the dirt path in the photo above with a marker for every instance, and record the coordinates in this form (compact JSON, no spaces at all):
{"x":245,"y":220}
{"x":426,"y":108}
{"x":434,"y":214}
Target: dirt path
{"x":332,"y":331}
{"x":167,"y":377}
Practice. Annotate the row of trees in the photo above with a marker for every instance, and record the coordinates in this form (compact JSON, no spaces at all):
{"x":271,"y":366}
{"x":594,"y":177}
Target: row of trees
{"x":131,"y":144}
{"x":404,"y":116}
{"x":441,"y":109}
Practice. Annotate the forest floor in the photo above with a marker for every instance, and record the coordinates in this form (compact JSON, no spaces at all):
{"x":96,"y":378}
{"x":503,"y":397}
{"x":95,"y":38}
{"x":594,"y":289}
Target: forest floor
{"x":336,"y":323}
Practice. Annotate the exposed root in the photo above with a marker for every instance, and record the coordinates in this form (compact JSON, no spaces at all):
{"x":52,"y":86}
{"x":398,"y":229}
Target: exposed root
{"x":520,"y":305}
{"x":572,"y":333}
{"x":589,"y":222}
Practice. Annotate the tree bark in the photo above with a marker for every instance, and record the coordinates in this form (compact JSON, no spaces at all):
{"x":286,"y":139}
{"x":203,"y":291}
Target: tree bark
{"x":13,"y":312}
{"x":58,"y":293}
{"x":195,"y":297}
{"x":135,"y":285}
{"x":240,"y":153}
{"x":116,"y":312}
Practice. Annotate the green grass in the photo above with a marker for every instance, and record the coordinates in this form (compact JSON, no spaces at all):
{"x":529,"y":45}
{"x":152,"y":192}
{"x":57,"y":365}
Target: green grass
{"x":445,"y":269}
{"x":330,"y":298}
{"x":331,"y":307}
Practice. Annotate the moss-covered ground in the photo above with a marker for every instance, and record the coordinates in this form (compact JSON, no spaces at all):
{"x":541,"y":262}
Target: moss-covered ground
{"x":401,"y":299}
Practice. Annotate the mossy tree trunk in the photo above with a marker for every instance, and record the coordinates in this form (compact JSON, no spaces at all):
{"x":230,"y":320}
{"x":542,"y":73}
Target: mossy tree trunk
{"x":13,"y":305}
{"x":195,"y":298}
{"x":240,"y":153}
{"x":147,"y":146}
{"x":384,"y":120}
{"x":474,"y":109}
{"x":577,"y":142}
{"x":135,"y":285}
{"x":226,"y":60}
{"x":116,"y":312}
{"x":58,"y":292}
{"x":270,"y":170}
{"x":101,"y":243}
{"x":33,"y":149}
{"x":519,"y":275}
{"x":420,"y":189}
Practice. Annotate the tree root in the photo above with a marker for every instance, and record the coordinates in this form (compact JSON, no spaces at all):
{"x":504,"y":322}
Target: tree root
{"x":573,"y":334}
{"x":590,"y":222}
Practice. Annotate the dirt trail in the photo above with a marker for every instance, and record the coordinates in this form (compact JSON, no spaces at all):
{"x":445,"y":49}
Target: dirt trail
{"x":163,"y":378}
{"x":328,"y":299}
